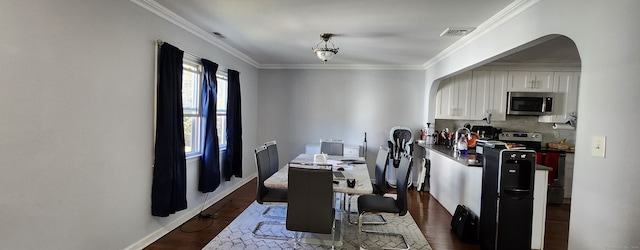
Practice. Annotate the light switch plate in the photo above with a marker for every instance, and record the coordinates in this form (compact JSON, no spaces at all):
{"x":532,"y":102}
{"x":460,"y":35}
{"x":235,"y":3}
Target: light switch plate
{"x":598,"y":146}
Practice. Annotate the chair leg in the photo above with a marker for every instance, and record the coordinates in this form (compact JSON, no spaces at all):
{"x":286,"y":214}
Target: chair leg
{"x":333,"y":234}
{"x":269,"y":208}
{"x":360,"y":231}
{"x":266,"y":236}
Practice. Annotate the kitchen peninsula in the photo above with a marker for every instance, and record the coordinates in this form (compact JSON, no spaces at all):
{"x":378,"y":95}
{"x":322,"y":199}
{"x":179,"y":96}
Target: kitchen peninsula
{"x":457,"y":179}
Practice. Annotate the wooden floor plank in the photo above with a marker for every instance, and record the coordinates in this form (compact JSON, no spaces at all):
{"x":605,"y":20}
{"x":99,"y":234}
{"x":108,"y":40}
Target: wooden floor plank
{"x":430,"y":216}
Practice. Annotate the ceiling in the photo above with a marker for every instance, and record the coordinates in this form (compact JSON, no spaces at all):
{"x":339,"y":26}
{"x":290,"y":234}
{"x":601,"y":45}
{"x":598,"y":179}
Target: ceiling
{"x":377,"y":33}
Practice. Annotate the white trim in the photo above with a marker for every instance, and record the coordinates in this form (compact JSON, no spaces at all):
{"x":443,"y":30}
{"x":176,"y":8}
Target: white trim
{"x":195,"y":210}
{"x":530,"y":66}
{"x":501,"y":17}
{"x":174,"y":18}
{"x":342,"y":66}
{"x":496,"y":20}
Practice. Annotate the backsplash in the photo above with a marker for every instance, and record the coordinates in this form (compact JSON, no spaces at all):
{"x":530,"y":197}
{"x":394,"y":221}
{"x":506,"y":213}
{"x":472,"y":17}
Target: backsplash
{"x":516,"y":123}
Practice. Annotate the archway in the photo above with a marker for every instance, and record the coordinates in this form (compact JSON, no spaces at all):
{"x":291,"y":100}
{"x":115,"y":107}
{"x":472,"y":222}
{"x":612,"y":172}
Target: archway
{"x":545,"y":52}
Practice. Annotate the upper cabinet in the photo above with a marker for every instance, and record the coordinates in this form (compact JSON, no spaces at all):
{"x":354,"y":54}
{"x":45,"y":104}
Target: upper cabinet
{"x":452,"y":99}
{"x":488,"y":95}
{"x":530,"y":81}
{"x":470,"y":95}
{"x":565,"y":98}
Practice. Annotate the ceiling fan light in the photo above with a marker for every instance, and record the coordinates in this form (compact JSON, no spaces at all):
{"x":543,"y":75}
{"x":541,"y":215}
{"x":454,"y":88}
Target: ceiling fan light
{"x":325,"y":53}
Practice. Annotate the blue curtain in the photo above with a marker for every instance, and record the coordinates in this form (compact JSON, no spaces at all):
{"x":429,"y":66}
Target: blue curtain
{"x":168,"y":191}
{"x":232,"y":162}
{"x":210,"y":167}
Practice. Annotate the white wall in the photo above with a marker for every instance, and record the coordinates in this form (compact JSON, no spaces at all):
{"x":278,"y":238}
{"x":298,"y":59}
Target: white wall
{"x":76,"y":120}
{"x":303,"y":106}
{"x":604,"y":206}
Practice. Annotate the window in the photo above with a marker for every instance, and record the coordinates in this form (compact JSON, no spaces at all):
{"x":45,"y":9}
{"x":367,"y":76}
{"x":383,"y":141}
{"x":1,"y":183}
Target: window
{"x":221,"y":113}
{"x":191,"y":107}
{"x":191,"y":73}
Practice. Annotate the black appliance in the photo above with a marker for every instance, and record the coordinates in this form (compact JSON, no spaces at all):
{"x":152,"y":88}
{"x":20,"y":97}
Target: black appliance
{"x":506,"y":207}
{"x":481,"y":145}
{"x":486,"y":132}
{"x":533,"y":141}
{"x":529,"y":103}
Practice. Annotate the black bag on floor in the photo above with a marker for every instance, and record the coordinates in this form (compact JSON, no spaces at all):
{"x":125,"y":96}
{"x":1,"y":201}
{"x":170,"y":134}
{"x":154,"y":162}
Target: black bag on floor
{"x":465,"y":224}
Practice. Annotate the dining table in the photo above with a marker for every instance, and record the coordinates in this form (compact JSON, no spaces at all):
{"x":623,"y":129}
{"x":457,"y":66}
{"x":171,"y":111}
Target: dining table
{"x":352,"y":168}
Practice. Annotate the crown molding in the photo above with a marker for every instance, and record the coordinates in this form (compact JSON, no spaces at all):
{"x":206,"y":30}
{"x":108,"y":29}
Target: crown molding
{"x":504,"y":15}
{"x":496,"y":20}
{"x":531,"y":66}
{"x":342,"y":66}
{"x":174,"y":18}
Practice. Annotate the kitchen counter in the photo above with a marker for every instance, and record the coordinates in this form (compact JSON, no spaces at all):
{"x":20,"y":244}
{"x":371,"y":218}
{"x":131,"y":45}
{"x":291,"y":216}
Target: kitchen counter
{"x":468,"y":159}
{"x":457,"y":179}
{"x":546,"y":149}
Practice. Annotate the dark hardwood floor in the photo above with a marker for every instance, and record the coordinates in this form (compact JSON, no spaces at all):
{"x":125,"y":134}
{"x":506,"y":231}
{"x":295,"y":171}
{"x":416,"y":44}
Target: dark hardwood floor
{"x":431,"y":217}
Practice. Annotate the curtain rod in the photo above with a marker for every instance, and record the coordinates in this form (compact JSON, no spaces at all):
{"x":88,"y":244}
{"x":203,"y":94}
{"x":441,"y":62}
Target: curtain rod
{"x":159,"y":43}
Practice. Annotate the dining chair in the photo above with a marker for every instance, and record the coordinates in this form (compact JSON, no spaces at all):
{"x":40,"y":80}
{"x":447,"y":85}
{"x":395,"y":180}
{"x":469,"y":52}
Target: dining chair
{"x":310,"y":203}
{"x":372,"y":204}
{"x":267,"y":196}
{"x":332,"y":147}
{"x":274,"y":166}
{"x":272,"y":148}
{"x":379,"y":184}
{"x":382,"y":161}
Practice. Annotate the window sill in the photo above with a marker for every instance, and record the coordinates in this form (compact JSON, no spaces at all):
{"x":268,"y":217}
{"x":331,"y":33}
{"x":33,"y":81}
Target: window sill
{"x":199,"y":156}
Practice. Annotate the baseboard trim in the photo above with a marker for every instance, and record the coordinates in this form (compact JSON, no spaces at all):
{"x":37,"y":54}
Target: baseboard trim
{"x":195,"y":210}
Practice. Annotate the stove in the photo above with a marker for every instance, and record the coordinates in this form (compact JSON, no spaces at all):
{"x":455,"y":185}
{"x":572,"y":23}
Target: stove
{"x":530,"y":140}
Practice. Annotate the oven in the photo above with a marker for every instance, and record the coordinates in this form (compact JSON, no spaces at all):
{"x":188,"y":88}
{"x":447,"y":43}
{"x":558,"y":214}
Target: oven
{"x":528,"y":140}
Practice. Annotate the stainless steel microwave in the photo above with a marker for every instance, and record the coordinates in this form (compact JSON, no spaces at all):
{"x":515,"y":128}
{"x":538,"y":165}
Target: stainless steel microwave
{"x":529,"y":103}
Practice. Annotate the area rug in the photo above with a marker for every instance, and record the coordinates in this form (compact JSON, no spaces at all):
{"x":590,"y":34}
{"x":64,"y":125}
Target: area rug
{"x":239,"y":234}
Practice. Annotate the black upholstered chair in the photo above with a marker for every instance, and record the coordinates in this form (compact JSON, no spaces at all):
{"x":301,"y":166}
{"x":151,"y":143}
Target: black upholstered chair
{"x":267,"y":196}
{"x":368,"y":204}
{"x":379,"y":184}
{"x":274,"y":162}
{"x":382,"y":161}
{"x":332,"y":147}
{"x":310,"y":203}
{"x":273,"y":167}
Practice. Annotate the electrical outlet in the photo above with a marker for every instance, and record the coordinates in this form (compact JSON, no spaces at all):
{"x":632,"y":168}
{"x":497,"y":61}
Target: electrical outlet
{"x":598,"y":146}
{"x":556,"y":134}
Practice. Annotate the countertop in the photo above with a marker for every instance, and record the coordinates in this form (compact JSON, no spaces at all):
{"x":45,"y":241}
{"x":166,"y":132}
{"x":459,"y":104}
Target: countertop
{"x":568,"y":151}
{"x":468,"y":159}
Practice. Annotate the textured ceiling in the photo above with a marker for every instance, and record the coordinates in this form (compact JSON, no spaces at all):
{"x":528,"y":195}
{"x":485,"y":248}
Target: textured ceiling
{"x":281,"y":33}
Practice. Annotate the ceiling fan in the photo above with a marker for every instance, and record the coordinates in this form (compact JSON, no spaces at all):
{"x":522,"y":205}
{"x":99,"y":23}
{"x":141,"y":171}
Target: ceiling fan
{"x":326,"y":52}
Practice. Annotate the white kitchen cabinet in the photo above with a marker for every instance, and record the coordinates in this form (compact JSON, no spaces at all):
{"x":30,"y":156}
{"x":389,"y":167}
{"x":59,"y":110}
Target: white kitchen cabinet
{"x":530,"y":81}
{"x":442,"y":99}
{"x":565,"y":98}
{"x":452,"y":99}
{"x":488,"y":93}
